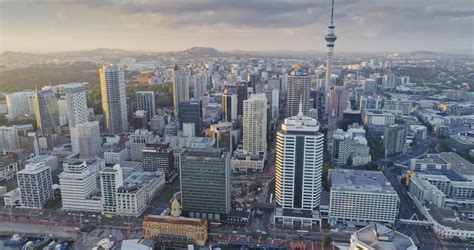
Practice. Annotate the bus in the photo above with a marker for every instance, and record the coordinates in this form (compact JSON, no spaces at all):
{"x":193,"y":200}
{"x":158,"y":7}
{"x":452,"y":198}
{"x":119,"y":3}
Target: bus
{"x":302,"y":232}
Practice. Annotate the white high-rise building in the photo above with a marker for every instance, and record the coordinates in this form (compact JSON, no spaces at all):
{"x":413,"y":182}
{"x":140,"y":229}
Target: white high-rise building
{"x":200,"y":81}
{"x":362,"y":197}
{"x":78,"y":185}
{"x":138,"y":141}
{"x":35,"y":184}
{"x":339,"y":147}
{"x":114,"y":102}
{"x":299,"y":161}
{"x":181,"y":81}
{"x":297,"y":91}
{"x":255,"y":123}
{"x":76,"y":109}
{"x":88,"y":137}
{"x":9,"y":138}
{"x":111,"y":178}
{"x":146,"y":101}
{"x":17,"y":104}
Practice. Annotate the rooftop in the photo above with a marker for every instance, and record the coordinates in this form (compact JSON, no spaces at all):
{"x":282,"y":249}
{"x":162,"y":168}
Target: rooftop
{"x":360,"y":180}
{"x":381,"y":237}
{"x":174,"y":220}
{"x":458,"y":164}
{"x":450,"y":218}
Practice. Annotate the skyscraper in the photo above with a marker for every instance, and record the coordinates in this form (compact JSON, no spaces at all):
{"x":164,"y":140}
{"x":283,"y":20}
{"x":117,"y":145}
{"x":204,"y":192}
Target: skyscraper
{"x":230,"y":104}
{"x":191,"y":112}
{"x":89,"y":141}
{"x":394,"y":139}
{"x":35,"y":184}
{"x":337,"y":102}
{"x":47,"y":112}
{"x":114,"y":102}
{"x":181,"y":82}
{"x":299,"y":161}
{"x":200,"y":82}
{"x":254,"y":123}
{"x":17,"y":104}
{"x":297,"y":91}
{"x":205,"y":183}
{"x":76,"y":111}
{"x":111,"y":178}
{"x":146,"y":102}
{"x":222,"y":133}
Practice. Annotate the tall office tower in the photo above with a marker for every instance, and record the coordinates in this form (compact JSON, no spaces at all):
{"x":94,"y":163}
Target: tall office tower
{"x":17,"y":104}
{"x":191,"y":112}
{"x":239,"y":89}
{"x":205,"y":183}
{"x":254,"y":123}
{"x":111,"y":178}
{"x":330,"y":41}
{"x":47,"y":112}
{"x":275,"y":104}
{"x":9,"y":139}
{"x":297,"y":90}
{"x":88,"y":137}
{"x":339,"y":147}
{"x":252,"y":82}
{"x":78,"y":184}
{"x":230,"y":105}
{"x":337,"y":102}
{"x":299,"y":164}
{"x":222,"y":133}
{"x":114,"y":101}
{"x":146,"y":101}
{"x":140,"y":119}
{"x":158,"y":157}
{"x":181,"y":82}
{"x":138,"y":141}
{"x":394,"y":139}
{"x":200,"y":81}
{"x":76,"y":110}
{"x":35,"y":184}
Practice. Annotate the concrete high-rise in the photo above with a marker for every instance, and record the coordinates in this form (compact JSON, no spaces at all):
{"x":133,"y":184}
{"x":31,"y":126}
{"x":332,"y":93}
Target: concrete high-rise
{"x":339,"y":147}
{"x":222,"y":133}
{"x":114,"y":102}
{"x":78,"y":184}
{"x":17,"y":104}
{"x":181,"y":82}
{"x":76,"y":110}
{"x":200,"y":82}
{"x":111,"y":178}
{"x":89,"y":141}
{"x":254,"y":123}
{"x":146,"y":102}
{"x":337,"y":102}
{"x":297,"y":91}
{"x":394,"y":139}
{"x":47,"y":111}
{"x":35,"y":184}
{"x":138,"y":141}
{"x":205,"y":183}
{"x":299,"y":161}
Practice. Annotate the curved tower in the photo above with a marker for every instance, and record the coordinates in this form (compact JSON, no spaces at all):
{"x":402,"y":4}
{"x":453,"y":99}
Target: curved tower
{"x":330,"y":41}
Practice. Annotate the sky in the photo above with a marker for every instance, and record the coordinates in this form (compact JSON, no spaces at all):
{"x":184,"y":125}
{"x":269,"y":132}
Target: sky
{"x":173,"y":25}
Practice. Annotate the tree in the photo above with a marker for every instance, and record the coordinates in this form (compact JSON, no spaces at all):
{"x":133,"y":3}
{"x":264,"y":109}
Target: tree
{"x":326,"y":167}
{"x":326,"y":240}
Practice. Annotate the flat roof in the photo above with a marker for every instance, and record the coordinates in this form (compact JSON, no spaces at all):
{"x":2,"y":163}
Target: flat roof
{"x":450,"y":218}
{"x":458,"y":163}
{"x":450,"y":174}
{"x":360,"y":180}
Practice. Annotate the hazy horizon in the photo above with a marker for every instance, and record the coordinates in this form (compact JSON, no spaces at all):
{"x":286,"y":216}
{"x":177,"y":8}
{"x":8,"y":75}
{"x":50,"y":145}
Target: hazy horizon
{"x":145,"y":25}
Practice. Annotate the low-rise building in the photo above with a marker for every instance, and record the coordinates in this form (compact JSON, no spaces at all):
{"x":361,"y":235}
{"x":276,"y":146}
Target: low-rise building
{"x":361,"y":197}
{"x":244,"y":161}
{"x":163,"y":228}
{"x":448,"y":224}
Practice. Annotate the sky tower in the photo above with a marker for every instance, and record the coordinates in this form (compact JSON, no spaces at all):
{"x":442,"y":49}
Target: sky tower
{"x":330,"y":40}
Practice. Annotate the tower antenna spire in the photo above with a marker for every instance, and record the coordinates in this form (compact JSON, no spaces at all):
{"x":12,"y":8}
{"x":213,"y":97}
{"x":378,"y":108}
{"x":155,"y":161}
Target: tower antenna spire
{"x":332,"y":12}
